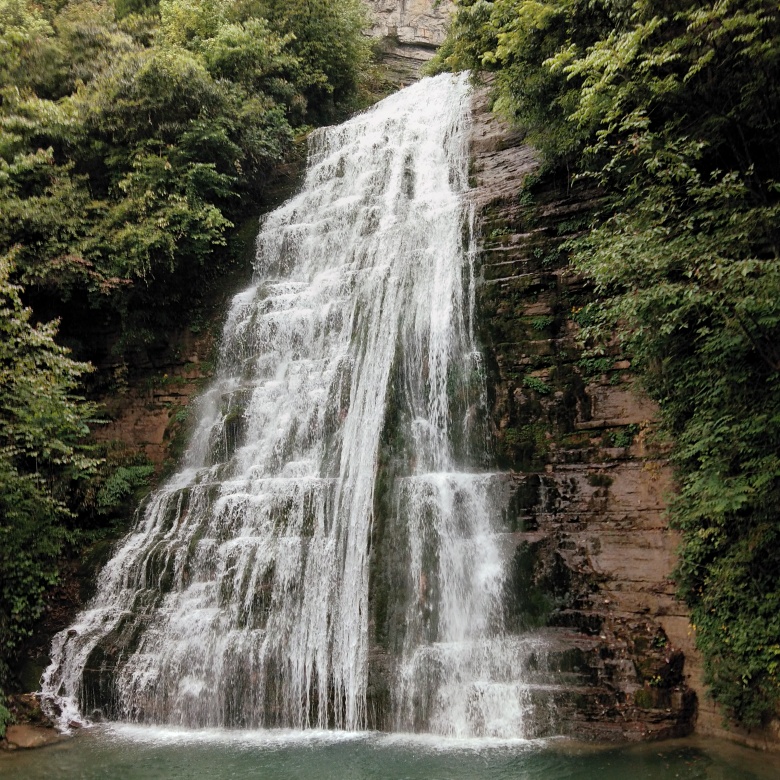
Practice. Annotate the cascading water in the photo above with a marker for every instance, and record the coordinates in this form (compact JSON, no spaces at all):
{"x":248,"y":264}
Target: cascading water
{"x":349,"y":386}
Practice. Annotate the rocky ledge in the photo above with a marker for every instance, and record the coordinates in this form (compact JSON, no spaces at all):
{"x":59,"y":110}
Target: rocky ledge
{"x":34,"y":729}
{"x":26,"y":736}
{"x":589,"y":478}
{"x":409,"y":32}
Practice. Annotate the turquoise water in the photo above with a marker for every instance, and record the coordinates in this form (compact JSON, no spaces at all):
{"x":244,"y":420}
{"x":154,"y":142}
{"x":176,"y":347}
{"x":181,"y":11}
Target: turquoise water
{"x":131,"y":752}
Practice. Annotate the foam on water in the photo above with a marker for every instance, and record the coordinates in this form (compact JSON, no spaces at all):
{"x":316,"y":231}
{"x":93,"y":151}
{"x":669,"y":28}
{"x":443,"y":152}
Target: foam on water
{"x":280,"y":738}
{"x":260,"y":738}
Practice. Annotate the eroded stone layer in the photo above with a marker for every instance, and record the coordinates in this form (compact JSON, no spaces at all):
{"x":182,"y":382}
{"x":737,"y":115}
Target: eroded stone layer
{"x":593,"y":549}
{"x":410,"y":31}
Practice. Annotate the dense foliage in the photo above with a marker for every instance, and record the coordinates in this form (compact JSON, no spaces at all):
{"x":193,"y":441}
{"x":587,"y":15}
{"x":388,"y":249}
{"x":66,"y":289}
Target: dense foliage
{"x":673,"y":108}
{"x":130,"y":147}
{"x":134,"y":136}
{"x":42,"y":425}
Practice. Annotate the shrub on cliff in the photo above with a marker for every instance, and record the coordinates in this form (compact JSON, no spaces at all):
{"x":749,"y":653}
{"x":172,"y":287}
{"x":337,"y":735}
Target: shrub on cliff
{"x":130,"y":147}
{"x":673,"y":109}
{"x":43,"y":424}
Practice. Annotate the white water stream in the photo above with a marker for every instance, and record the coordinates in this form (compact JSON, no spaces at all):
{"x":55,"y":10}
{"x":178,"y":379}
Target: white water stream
{"x":241,"y":597}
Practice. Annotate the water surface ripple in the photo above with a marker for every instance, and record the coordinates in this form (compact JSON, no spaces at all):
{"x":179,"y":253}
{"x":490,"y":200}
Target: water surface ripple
{"x":148,"y":753}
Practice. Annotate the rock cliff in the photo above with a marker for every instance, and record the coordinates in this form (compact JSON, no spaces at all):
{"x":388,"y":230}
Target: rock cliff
{"x":412,"y":22}
{"x":589,"y":477}
{"x":590,"y":473}
{"x":409,"y":31}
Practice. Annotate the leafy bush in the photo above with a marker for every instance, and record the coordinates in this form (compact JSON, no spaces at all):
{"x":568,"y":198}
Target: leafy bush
{"x":6,"y":718}
{"x":536,"y":384}
{"x":129,"y":149}
{"x":327,"y":39}
{"x":542,"y":323}
{"x":42,"y":425}
{"x":673,"y":110}
{"x":123,"y":484}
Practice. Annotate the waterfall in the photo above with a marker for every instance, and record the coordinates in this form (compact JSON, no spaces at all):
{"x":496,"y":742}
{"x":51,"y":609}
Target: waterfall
{"x":349,"y":395}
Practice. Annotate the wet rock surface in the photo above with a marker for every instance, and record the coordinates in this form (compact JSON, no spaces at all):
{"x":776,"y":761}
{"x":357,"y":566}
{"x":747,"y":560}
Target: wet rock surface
{"x":32,"y":728}
{"x":26,"y":736}
{"x":589,"y":474}
{"x":146,"y":412}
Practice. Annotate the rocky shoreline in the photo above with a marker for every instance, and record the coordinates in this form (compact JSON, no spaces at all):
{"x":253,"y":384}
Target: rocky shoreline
{"x":33,"y":728}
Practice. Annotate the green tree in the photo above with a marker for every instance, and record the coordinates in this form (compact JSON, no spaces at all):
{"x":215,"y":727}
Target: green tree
{"x":118,"y":194}
{"x":90,"y":41}
{"x":42,"y":426}
{"x":515,"y":39}
{"x":28,"y":49}
{"x":127,"y":157}
{"x":328,"y":40}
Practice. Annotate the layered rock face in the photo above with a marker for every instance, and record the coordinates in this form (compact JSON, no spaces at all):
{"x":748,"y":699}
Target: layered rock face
{"x":590,"y":476}
{"x":410,"y":31}
{"x":412,"y":22}
{"x":147,"y":413}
